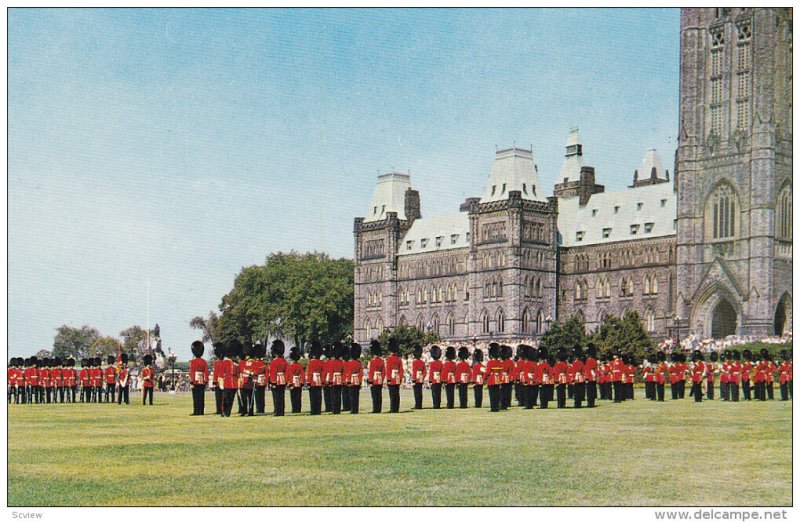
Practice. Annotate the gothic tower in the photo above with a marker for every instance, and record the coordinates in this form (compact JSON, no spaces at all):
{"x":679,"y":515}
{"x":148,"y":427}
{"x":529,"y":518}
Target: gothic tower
{"x":734,"y":172}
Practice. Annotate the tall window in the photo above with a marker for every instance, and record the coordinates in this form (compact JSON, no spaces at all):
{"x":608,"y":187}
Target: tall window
{"x":484,"y":322}
{"x":540,"y":322}
{"x":783,"y":211}
{"x":501,"y":321}
{"x":649,"y":320}
{"x":743,"y":76}
{"x":367,"y":329}
{"x":715,"y":78}
{"x":435,"y":324}
{"x":451,"y":325}
{"x":721,"y":213}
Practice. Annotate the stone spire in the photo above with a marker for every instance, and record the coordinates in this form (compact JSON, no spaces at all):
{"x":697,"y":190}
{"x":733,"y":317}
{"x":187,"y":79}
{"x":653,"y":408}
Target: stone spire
{"x":573,"y":159}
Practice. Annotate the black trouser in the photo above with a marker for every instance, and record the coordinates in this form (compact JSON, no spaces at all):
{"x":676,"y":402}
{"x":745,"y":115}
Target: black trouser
{"x":21,"y":394}
{"x":326,"y":396}
{"x":617,"y":391}
{"x":697,"y":392}
{"x":47,"y":394}
{"x":505,"y":395}
{"x":681,"y":389}
{"x":61,"y":392}
{"x":436,"y":395}
{"x":561,"y":395}
{"x":527,"y":396}
{"x":87,"y":394}
{"x":746,"y":389}
{"x":98,"y":394}
{"x":228,"y":394}
{"x":734,"y":391}
{"x":770,"y":392}
{"x":198,"y":399}
{"x":760,"y":392}
{"x":450,"y":393}
{"x":724,"y":391}
{"x":124,"y":394}
{"x":260,"y":398}
{"x":673,"y":388}
{"x":336,"y":399}
{"x":650,"y":390}
{"x":494,"y":397}
{"x":477,"y":392}
{"x":354,"y":392}
{"x":111,"y":392}
{"x":710,"y":390}
{"x":279,"y":399}
{"x":591,"y":393}
{"x":544,"y":395}
{"x":570,"y":391}
{"x":785,"y":391}
{"x":376,"y":390}
{"x":394,"y":398}
{"x":533,"y":394}
{"x":315,"y":399}
{"x":630,"y":393}
{"x":660,"y":391}
{"x":73,"y":390}
{"x":147,"y":391}
{"x":462,"y":395}
{"x":296,"y":398}
{"x":518,"y":394}
{"x":345,"y":398}
{"x":579,"y":389}
{"x":219,"y":398}
{"x":418,"y":396}
{"x":247,"y":400}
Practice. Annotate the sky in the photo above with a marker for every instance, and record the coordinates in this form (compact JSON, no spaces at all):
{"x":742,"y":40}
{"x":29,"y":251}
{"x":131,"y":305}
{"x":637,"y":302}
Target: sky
{"x":156,"y":152}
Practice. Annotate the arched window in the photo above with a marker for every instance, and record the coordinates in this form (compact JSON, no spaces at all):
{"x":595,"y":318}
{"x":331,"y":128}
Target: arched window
{"x":540,"y":322}
{"x":537,"y":290}
{"x":440,"y":296}
{"x":484,"y":322}
{"x":783,"y":214}
{"x":721,"y":213}
{"x":367,"y":329}
{"x":378,"y":326}
{"x":402,"y":321}
{"x":419,"y":294}
{"x":435,"y":324}
{"x":526,"y":291}
{"x":646,"y":284}
{"x":466,"y":291}
{"x":654,"y":284}
{"x":420,"y":323}
{"x":525,"y":321}
{"x":451,"y":325}
{"x":501,"y":321}
{"x":649,"y":320}
{"x":500,"y":288}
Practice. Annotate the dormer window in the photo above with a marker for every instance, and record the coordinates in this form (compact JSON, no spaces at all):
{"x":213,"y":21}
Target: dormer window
{"x":606,"y":232}
{"x":409,"y":244}
{"x":579,"y":236}
{"x":616,"y":209}
{"x":634,"y":229}
{"x":594,"y":212}
{"x":374,"y":210}
{"x":494,"y":187}
{"x":439,"y":240}
{"x":533,"y":189}
{"x":504,"y":189}
{"x":383,"y":209}
{"x":524,"y":190}
{"x":467,"y":237}
{"x":453,"y":239}
{"x":423,"y":243}
{"x":639,"y":205}
{"x":663,"y":202}
{"x":648,"y":227}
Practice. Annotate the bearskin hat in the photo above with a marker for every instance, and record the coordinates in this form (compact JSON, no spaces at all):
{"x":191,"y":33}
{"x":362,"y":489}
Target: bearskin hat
{"x":147,"y":360}
{"x":450,"y":353}
{"x":417,"y":351}
{"x":577,"y":353}
{"x":747,"y":355}
{"x":344,"y":354}
{"x":494,"y":350}
{"x":394,"y":345}
{"x":506,"y":352}
{"x":463,"y":353}
{"x":661,"y":356}
{"x":735,"y":355}
{"x":591,"y":351}
{"x":561,"y":355}
{"x":520,"y":350}
{"x":294,"y":353}
{"x":375,"y":349}
{"x":123,"y":356}
{"x":543,"y":353}
{"x":355,"y":351}
{"x":219,"y":350}
{"x":277,"y":349}
{"x":315,"y":350}
{"x":436,"y":353}
{"x":247,"y":349}
{"x":533,"y":354}
{"x":697,"y":356}
{"x":551,"y":360}
{"x":714,"y":356}
{"x":477,"y":355}
{"x":198,"y":348}
{"x":234,"y":349}
{"x":765,"y":355}
{"x":259,"y":351}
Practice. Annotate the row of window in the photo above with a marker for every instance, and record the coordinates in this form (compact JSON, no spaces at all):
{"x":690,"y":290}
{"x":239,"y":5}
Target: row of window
{"x":439,"y":241}
{"x":634,"y":230}
{"x":626,"y":257}
{"x":743,"y":81}
{"x":626,"y":287}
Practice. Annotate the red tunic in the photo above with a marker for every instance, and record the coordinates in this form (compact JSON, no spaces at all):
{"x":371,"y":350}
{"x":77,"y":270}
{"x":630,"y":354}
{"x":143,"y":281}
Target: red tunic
{"x":508,"y":370}
{"x":448,"y":372}
{"x":784,"y":370}
{"x":725,"y":372}
{"x":217,"y":378}
{"x":110,"y":375}
{"x":736,"y":373}
{"x":227,"y":374}
{"x":479,"y":374}
{"x":577,"y":372}
{"x":246,"y":372}
{"x":560,"y":369}
{"x":418,"y":371}
{"x":463,"y":373}
{"x":260,"y":373}
{"x":617,"y":369}
{"x":590,"y":370}
{"x":20,"y":377}
{"x":294,"y":375}
{"x":375,"y":372}
{"x":435,"y":372}
{"x":86,"y":377}
{"x":630,"y":374}
{"x":147,"y":377}
{"x":277,"y":371}
{"x":494,"y":372}
{"x":770,"y":372}
{"x":747,"y":367}
{"x":97,"y":376}
{"x":327,"y":374}
{"x":356,"y":371}
{"x":394,"y":370}
{"x":44,"y":377}
{"x":198,"y":371}
{"x":543,"y":373}
{"x":123,"y":376}
{"x":698,"y":372}
{"x":314,"y":372}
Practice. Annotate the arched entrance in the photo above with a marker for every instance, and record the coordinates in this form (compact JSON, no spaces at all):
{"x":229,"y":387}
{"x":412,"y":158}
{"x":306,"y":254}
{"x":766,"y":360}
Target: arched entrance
{"x":783,"y":315}
{"x":723,"y":320}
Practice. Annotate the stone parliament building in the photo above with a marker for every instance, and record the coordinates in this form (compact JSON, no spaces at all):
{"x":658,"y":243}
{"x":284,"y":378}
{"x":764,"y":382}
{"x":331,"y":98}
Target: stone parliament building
{"x":708,"y":251}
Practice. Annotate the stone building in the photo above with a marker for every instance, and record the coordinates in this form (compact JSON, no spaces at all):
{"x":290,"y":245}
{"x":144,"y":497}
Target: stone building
{"x":708,"y":252}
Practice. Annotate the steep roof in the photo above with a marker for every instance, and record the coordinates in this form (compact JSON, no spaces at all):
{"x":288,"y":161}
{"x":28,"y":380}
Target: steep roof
{"x":436,"y":233}
{"x":389,"y":196}
{"x":513,"y":169}
{"x":633,"y":213}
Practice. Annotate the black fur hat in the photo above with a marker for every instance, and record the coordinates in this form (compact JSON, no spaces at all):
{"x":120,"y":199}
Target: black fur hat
{"x":219,"y":350}
{"x":394,"y":345}
{"x":147,"y":360}
{"x":247,"y":349}
{"x":335,"y":350}
{"x":84,"y":362}
{"x":294,"y":353}
{"x":662,"y":356}
{"x":543,"y":353}
{"x":765,"y":355}
{"x":417,"y":351}
{"x":714,"y":356}
{"x":533,"y":354}
{"x":562,"y":355}
{"x":234,"y":349}
{"x":577,"y":353}
{"x":277,"y":349}
{"x":110,"y":360}
{"x":463,"y":353}
{"x":450,"y":353}
{"x":520,"y":351}
{"x":735,"y":355}
{"x":676,"y":356}
{"x":494,"y":350}
{"x":591,"y":351}
{"x":315,"y":350}
{"x":747,"y":355}
{"x":477,"y":355}
{"x":551,"y":360}
{"x":375,"y":349}
{"x":124,"y":359}
{"x":344,"y":354}
{"x":697,"y":356}
{"x":198,"y":348}
{"x":259,"y":351}
{"x":355,"y":351}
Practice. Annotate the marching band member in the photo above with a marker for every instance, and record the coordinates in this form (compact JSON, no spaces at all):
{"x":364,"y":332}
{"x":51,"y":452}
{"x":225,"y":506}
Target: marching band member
{"x":590,"y":368}
{"x":328,"y":352}
{"x":506,"y":357}
{"x":217,"y":380}
{"x":617,"y":369}
{"x":770,"y":373}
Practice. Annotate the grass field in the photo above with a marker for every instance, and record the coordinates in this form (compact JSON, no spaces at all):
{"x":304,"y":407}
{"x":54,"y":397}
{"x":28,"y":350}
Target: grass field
{"x":634,"y":453}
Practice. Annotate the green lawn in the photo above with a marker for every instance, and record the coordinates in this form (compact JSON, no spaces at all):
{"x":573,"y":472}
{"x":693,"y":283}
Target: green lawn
{"x":635,"y":453}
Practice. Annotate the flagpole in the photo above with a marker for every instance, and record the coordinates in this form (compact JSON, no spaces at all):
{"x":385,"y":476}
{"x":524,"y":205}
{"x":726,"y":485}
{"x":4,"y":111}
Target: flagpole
{"x":148,"y":314}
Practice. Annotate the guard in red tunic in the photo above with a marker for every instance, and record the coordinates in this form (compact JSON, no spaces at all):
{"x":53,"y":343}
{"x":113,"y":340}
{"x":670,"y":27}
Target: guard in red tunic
{"x":247,"y":373}
{"x":724,"y":378}
{"x":699,"y":371}
{"x":227,"y":378}
{"x":578,"y":384}
{"x":517,"y":376}
{"x":44,"y":379}
{"x":314,"y":378}
{"x":417,"y":375}
{"x":449,"y":376}
{"x":617,"y":369}
{"x":344,"y":355}
{"x":494,"y":376}
{"x":375,"y":375}
{"x":735,"y":376}
{"x":747,"y":368}
{"x":478,"y":376}
{"x":336,"y":373}
{"x":33,"y":384}
{"x":560,"y":370}
{"x":535,"y":385}
{"x":760,"y":377}
{"x":217,"y":379}
{"x":295,"y":380}
{"x":260,"y":377}
{"x":123,"y":380}
{"x":435,"y":377}
{"x":630,"y":375}
{"x":55,"y":378}
{"x":649,"y":376}
{"x":110,"y":377}
{"x":277,"y":377}
{"x":86,"y":381}
{"x":784,"y":371}
{"x":328,"y":352}
{"x":198,"y":377}
{"x":674,"y":370}
{"x":356,"y":372}
{"x":712,"y":369}
{"x":463,"y":376}
{"x":543,"y":376}
{"x":394,"y":375}
{"x":148,"y":379}
{"x":590,"y":375}
{"x":526,"y":368}
{"x":12,"y":380}
{"x":770,"y":373}
{"x":506,"y":356}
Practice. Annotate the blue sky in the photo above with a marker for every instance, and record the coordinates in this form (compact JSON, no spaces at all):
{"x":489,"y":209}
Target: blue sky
{"x":176,"y":146}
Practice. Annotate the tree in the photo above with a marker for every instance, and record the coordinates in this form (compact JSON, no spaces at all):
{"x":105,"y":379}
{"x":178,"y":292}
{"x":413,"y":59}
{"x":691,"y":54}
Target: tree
{"x":135,"y":340}
{"x":105,"y":346}
{"x":41,"y":354}
{"x":74,"y":342}
{"x":408,"y":337}
{"x":564,"y":336}
{"x":302,"y":297}
{"x":208,"y":325}
{"x":626,"y":335}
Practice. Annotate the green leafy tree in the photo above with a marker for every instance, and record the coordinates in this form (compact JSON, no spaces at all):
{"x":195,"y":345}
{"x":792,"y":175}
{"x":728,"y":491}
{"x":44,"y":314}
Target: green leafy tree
{"x":134,"y":340}
{"x":564,"y":336}
{"x":74,"y":342}
{"x":208,"y":325}
{"x":41,"y":354}
{"x":408,"y":337}
{"x":624,"y":335}
{"x":104,"y":346}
